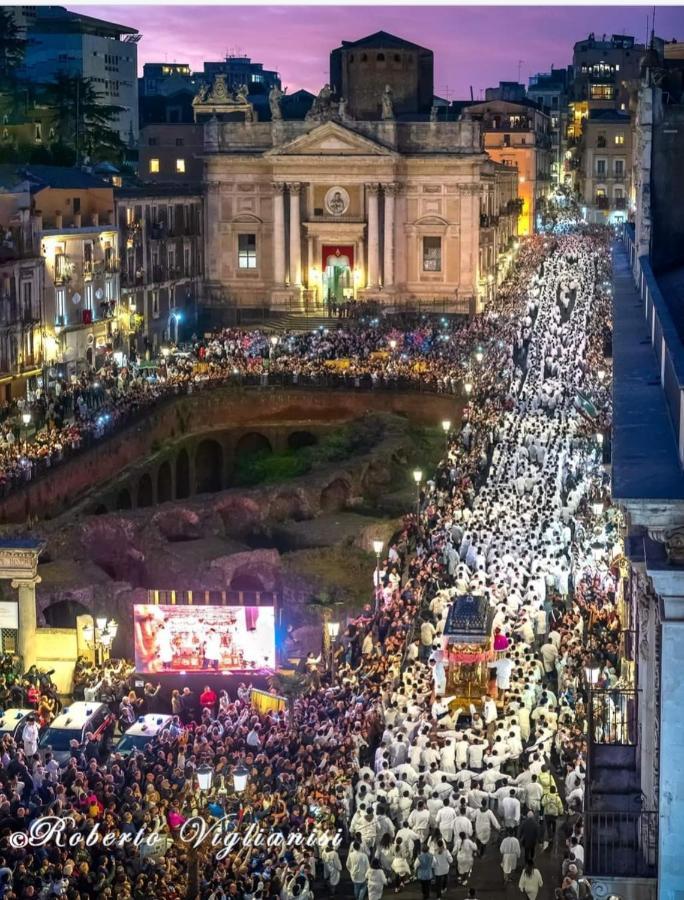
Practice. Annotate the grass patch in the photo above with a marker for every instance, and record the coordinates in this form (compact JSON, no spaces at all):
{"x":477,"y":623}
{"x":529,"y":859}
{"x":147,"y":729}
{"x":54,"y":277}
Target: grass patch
{"x":343,"y":570}
{"x":353,"y":439}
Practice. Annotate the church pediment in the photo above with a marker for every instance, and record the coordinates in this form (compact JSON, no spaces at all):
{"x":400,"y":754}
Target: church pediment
{"x":331,"y":139}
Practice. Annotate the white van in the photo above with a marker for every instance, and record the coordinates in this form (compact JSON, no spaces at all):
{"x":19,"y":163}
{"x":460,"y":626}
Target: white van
{"x":72,"y":724}
{"x":13,"y":720}
{"x":142,"y":732}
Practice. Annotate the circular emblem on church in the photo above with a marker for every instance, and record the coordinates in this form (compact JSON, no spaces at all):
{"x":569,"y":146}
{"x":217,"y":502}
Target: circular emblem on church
{"x":337,"y":201}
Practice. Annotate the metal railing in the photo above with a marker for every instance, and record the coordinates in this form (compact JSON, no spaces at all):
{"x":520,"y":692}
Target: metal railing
{"x":613,"y":717}
{"x":621,"y":844}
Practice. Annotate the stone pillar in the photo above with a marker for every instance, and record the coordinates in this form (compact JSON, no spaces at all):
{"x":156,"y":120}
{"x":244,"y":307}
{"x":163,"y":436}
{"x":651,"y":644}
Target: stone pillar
{"x":27,"y":619}
{"x":373,"y":237}
{"x":295,"y":236}
{"x":390,"y":193}
{"x":279,"y":233}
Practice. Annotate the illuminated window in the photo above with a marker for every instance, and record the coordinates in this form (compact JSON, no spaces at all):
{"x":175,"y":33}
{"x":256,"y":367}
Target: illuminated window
{"x":247,"y":251}
{"x":619,"y":138}
{"x":180,"y":166}
{"x":60,"y":303}
{"x":601,"y":92}
{"x":154,"y":166}
{"x":432,"y":254}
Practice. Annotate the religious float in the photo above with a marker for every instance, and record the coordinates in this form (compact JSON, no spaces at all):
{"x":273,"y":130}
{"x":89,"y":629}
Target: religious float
{"x":467,"y":648}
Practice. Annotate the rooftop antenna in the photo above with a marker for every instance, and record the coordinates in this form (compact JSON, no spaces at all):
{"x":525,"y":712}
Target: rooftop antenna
{"x":653,"y":28}
{"x":471,"y":93}
{"x":520,"y":62}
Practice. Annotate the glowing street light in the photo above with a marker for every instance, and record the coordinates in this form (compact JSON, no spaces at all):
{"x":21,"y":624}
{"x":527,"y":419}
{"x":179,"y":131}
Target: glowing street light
{"x":601,"y":374}
{"x":468,"y":387}
{"x":393,"y":344}
{"x":479,"y":355}
{"x":240,"y":778}
{"x":205,"y":777}
{"x":418,"y":477}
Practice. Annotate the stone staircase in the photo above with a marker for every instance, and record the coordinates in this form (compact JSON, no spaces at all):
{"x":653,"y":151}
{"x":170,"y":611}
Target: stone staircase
{"x":279,"y":322}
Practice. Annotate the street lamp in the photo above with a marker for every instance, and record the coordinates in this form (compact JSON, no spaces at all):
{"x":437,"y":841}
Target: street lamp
{"x":418,"y":477}
{"x":393,"y":344}
{"x":240,"y":778}
{"x":446,"y":428}
{"x":333,"y":630}
{"x":26,"y":419}
{"x":599,"y":438}
{"x":101,"y":635}
{"x":601,"y":374}
{"x":205,"y":777}
{"x":377,"y":549}
{"x":468,"y":387}
{"x":479,"y":355}
{"x":273,"y":343}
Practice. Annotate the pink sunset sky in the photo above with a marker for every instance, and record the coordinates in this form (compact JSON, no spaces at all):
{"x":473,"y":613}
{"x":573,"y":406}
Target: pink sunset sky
{"x":477,"y":46}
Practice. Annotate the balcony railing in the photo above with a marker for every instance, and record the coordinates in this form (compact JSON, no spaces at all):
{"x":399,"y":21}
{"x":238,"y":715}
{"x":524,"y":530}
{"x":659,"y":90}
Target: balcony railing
{"x":487,"y":221}
{"x":613,"y":717}
{"x":621,"y":844}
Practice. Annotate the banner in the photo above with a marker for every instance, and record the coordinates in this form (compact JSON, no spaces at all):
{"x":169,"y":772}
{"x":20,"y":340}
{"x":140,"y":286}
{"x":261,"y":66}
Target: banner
{"x":9,"y":615}
{"x":264,"y":702}
{"x":339,"y":364}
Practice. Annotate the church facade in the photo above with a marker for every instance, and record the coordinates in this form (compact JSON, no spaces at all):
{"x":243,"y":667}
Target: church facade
{"x":308,"y":213}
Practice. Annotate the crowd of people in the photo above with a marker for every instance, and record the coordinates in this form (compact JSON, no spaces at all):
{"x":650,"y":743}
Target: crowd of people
{"x":379,"y":775}
{"x":410,"y":352}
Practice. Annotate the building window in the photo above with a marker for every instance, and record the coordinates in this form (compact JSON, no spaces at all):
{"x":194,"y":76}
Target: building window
{"x":38,"y":132}
{"x":89,"y":295}
{"x":109,"y":290}
{"x":432,"y":254}
{"x":601,"y":140}
{"x":381,"y":57}
{"x":154,"y":166}
{"x":247,"y":251}
{"x":186,"y":261}
{"x":27,"y":298}
{"x":601,"y":92}
{"x":600,"y":167}
{"x":619,"y":168}
{"x":155,"y":304}
{"x":619,"y":139}
{"x":179,"y":142}
{"x":60,"y":303}
{"x":180,"y":166}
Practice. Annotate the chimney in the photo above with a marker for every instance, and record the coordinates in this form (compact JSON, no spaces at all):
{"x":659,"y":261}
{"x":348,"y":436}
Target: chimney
{"x":58,"y":219}
{"x":96,"y":218}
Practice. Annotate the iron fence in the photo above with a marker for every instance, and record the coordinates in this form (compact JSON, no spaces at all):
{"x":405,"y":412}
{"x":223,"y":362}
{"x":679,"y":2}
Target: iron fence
{"x":621,"y":844}
{"x":613,"y":717}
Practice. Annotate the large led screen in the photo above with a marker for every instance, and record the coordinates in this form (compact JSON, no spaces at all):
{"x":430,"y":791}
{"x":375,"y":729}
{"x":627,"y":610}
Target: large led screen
{"x":204,"y":638}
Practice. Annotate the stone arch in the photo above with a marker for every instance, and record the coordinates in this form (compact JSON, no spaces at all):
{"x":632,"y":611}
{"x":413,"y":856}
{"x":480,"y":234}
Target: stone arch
{"x":299,"y":439}
{"x":182,"y":475}
{"x":164,"y":483}
{"x":251,"y":444}
{"x":63,"y":613}
{"x":208,"y":467}
{"x":246,"y":581}
{"x":123,"y":499}
{"x":336,"y":495}
{"x":145,"y":491}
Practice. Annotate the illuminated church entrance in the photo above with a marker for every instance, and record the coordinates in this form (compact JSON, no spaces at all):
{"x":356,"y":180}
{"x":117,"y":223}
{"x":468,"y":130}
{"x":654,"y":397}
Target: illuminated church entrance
{"x":338,"y":274}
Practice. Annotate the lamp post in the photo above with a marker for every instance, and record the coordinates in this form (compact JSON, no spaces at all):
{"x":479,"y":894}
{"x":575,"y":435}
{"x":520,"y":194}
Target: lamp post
{"x":479,"y":355}
{"x":468,"y":387}
{"x":101,"y":635}
{"x":205,"y":780}
{"x":377,"y":549}
{"x":272,"y":344}
{"x":393,"y":345}
{"x":333,"y":631}
{"x":26,"y":419}
{"x":418,"y":477}
{"x":446,"y":428}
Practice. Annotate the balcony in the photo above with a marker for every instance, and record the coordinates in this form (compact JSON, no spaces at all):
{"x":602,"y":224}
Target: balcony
{"x":602,"y":202}
{"x":132,"y":279}
{"x":620,"y":202}
{"x":487,"y":221}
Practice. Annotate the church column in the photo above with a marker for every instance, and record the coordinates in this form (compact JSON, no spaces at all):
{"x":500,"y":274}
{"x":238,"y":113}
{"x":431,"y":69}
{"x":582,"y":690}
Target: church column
{"x":279,"y":233}
{"x":373,"y":236}
{"x":27,"y":619}
{"x":390,"y":193}
{"x":295,"y":236}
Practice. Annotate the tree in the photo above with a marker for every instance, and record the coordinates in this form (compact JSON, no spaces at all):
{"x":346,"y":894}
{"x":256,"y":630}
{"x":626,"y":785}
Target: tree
{"x":82,"y":123}
{"x":12,"y":47}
